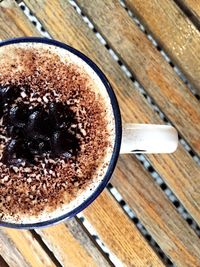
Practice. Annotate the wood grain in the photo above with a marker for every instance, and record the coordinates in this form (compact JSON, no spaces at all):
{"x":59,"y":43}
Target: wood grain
{"x":148,"y":65}
{"x":156,"y":213}
{"x":19,"y":248}
{"x":192,"y":9}
{"x":175,"y":33}
{"x":84,"y":238}
{"x":118,"y":233}
{"x":65,"y":247}
{"x":11,"y":25}
{"x":113,"y":72}
{"x":176,"y":169}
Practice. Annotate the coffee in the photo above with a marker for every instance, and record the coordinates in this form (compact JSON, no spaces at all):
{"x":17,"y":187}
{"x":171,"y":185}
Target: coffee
{"x":56,"y":132}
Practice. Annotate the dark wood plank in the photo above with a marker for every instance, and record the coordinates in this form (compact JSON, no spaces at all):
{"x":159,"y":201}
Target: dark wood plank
{"x":148,"y":65}
{"x":156,"y":213}
{"x":174,"y":32}
{"x":134,"y":108}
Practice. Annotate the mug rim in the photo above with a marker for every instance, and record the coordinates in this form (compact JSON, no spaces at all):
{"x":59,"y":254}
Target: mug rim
{"x":117,"y":141}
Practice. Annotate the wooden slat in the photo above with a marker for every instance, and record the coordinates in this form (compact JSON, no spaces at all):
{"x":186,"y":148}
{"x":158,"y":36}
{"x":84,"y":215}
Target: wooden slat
{"x":121,"y":82}
{"x":10,"y":252}
{"x":14,"y":27}
{"x":75,"y":227}
{"x":156,"y":213}
{"x":174,"y":32}
{"x":19,"y":248}
{"x":118,"y":233}
{"x":192,"y":9}
{"x":150,"y":68}
{"x":61,"y":242}
{"x":66,"y":248}
{"x":134,"y":108}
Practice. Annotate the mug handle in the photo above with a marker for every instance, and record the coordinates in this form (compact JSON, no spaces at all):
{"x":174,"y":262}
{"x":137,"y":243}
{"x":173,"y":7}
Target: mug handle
{"x":148,"y":138}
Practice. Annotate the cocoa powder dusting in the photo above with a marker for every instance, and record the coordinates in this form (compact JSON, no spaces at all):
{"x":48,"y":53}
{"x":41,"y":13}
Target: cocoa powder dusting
{"x":33,"y":188}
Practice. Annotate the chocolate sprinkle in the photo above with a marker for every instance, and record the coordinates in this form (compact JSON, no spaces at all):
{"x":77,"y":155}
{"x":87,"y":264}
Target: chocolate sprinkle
{"x":53,"y":132}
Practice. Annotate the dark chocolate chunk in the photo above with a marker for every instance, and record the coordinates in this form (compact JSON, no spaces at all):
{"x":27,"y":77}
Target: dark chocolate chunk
{"x":63,"y":143}
{"x":35,"y":131}
{"x":60,"y":115}
{"x":18,"y":116}
{"x":9,"y":93}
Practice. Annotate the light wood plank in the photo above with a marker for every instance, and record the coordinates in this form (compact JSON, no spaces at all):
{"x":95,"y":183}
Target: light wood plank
{"x":10,"y":252}
{"x":19,"y":248}
{"x":76,"y":229}
{"x":159,"y":216}
{"x":10,"y":24}
{"x":174,"y":32}
{"x":118,"y":233}
{"x":178,"y":168}
{"x":148,"y":65}
{"x":65,"y":247}
{"x":139,"y":99}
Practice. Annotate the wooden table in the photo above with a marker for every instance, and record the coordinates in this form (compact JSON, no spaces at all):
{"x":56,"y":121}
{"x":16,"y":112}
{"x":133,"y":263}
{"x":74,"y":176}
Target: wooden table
{"x":175,"y":27}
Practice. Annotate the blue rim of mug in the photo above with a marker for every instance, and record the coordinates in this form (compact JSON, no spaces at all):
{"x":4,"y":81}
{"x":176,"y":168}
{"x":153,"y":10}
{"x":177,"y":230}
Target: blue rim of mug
{"x":118,"y":133}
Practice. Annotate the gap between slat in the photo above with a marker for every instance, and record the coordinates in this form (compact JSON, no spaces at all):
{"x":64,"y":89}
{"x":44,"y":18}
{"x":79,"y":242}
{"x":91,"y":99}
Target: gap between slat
{"x":71,"y":1}
{"x":38,"y":238}
{"x":138,"y":86}
{"x":41,"y":29}
{"x":155,"y":80}
{"x":3,"y":263}
{"x":90,"y":238}
{"x":162,"y":50}
{"x":131,"y":214}
{"x":189,"y":13}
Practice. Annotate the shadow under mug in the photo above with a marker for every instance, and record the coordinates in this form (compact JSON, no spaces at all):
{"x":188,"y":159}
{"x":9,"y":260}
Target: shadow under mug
{"x":136,"y":138}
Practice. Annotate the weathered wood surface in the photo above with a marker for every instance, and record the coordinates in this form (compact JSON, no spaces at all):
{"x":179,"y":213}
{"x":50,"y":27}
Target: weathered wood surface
{"x":63,"y":23}
{"x":148,"y":65}
{"x":118,"y":233}
{"x":66,"y":248}
{"x":10,"y":23}
{"x":19,"y":248}
{"x":55,"y":16}
{"x":175,"y":33}
{"x":75,"y":227}
{"x":156,"y":212}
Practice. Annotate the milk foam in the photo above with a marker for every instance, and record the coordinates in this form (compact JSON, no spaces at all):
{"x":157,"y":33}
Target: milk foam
{"x":99,"y":88}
